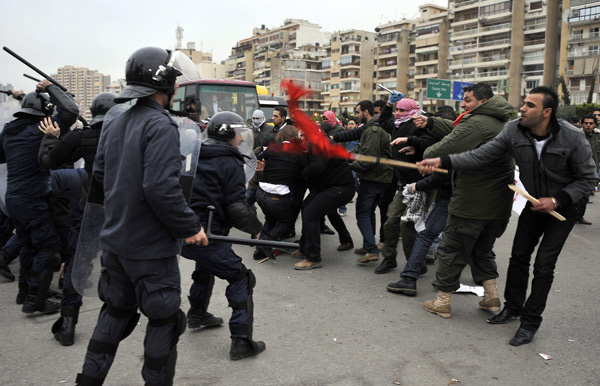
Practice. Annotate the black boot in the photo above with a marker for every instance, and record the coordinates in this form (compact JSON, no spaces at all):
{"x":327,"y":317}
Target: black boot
{"x":22,"y":294}
{"x":64,"y":328}
{"x":5,"y":270}
{"x":387,"y":265}
{"x":197,"y":318}
{"x":406,"y":286}
{"x":245,"y":347}
{"x":37,"y":298}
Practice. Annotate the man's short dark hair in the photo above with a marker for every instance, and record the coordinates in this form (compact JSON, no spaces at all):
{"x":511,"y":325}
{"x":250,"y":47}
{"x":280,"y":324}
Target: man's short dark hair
{"x":446,"y":112}
{"x":589,"y":117}
{"x":576,"y":119}
{"x":367,"y":105}
{"x":282,"y":111}
{"x":378,"y":103}
{"x":480,"y":91}
{"x":550,"y":99}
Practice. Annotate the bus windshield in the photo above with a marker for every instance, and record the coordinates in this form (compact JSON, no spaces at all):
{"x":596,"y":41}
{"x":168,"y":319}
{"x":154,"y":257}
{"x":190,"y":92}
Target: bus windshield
{"x":202,"y":101}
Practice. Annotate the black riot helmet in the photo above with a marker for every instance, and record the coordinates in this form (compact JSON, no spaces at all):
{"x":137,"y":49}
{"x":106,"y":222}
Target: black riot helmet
{"x":223,"y":125}
{"x":100,"y":106}
{"x":148,"y":70}
{"x":37,"y":104}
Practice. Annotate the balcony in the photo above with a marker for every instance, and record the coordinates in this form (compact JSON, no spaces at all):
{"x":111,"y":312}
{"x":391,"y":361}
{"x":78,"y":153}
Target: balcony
{"x":535,"y":42}
{"x":460,"y":34}
{"x":426,"y":76}
{"x":354,"y":62}
{"x":538,"y":27}
{"x":350,"y":76}
{"x":584,"y":37}
{"x":499,"y":42}
{"x":492,"y":75}
{"x":465,"y":4}
{"x":461,"y":63}
{"x":582,"y":53}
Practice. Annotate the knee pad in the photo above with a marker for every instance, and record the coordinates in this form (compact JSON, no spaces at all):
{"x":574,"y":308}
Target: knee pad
{"x":111,"y":348}
{"x":159,"y":301}
{"x":118,"y":313}
{"x":168,"y":361}
{"x":55,"y":260}
{"x":240,"y":276}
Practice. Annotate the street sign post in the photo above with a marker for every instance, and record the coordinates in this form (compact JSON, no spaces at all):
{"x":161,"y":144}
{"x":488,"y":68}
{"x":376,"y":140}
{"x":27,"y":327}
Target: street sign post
{"x":457,"y":90}
{"x":439,"y":89}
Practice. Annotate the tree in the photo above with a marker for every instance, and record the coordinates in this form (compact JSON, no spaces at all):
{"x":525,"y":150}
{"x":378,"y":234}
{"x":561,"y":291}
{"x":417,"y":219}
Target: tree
{"x":566,"y":95}
{"x":591,"y":94}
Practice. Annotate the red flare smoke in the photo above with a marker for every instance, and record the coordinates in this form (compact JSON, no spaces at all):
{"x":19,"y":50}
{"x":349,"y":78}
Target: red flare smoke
{"x":321,"y":145}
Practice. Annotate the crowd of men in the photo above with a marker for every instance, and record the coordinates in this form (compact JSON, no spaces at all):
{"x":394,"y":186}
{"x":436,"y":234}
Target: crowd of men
{"x":133,"y":164}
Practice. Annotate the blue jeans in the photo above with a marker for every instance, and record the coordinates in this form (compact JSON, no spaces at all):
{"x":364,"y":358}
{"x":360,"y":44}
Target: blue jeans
{"x":436,"y":221}
{"x":369,"y":194}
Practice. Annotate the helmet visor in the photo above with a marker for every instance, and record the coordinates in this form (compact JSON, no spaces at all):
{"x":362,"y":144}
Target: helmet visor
{"x":245,"y":149}
{"x":185,"y":66}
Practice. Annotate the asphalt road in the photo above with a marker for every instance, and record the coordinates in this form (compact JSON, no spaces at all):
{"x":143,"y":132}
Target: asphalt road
{"x":339,"y":326}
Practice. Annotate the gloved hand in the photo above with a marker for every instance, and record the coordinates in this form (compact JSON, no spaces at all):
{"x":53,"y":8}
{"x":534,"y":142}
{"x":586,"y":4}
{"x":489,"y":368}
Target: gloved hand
{"x":395,"y":97}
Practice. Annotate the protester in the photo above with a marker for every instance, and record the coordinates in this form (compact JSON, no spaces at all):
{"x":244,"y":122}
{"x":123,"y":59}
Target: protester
{"x":557,"y":168}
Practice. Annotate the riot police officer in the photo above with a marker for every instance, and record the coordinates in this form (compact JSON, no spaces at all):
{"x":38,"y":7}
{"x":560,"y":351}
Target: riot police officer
{"x":137,"y":164}
{"x":55,"y":152}
{"x":27,"y":192}
{"x":220,"y":183}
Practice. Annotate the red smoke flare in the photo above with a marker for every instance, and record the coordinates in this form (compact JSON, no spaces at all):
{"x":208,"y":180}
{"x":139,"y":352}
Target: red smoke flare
{"x":321,"y":145}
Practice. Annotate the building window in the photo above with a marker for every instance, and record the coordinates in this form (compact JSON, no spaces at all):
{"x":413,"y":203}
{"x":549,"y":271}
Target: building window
{"x":493,"y":9}
{"x":593,"y":50}
{"x":535,"y":5}
{"x":532,"y":83}
{"x":430,"y":29}
{"x":588,"y":13}
{"x":335,"y":74}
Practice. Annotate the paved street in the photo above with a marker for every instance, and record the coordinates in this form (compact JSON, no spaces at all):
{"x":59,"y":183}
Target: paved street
{"x":339,"y":326}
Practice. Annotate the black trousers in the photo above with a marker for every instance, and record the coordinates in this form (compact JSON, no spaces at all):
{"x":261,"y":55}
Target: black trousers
{"x":153,"y":287}
{"x":315,"y":206}
{"x":531,"y":227}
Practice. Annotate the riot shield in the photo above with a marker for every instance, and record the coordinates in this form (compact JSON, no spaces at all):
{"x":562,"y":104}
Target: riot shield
{"x":3,"y":175}
{"x":245,"y":149}
{"x":7,"y":109}
{"x":87,"y":263}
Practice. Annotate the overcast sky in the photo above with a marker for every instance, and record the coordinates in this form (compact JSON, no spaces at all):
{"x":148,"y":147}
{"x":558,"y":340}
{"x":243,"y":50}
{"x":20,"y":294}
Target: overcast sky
{"x":101,"y":35}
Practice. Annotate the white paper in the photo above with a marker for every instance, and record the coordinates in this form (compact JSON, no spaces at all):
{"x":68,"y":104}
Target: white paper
{"x":476,"y":289}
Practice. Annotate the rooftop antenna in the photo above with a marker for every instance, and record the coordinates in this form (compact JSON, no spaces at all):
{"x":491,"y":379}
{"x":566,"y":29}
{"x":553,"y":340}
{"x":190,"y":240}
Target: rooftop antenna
{"x":179,"y":35}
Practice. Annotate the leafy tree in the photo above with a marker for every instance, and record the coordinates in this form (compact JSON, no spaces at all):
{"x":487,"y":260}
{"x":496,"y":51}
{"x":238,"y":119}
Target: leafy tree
{"x":566,"y":95}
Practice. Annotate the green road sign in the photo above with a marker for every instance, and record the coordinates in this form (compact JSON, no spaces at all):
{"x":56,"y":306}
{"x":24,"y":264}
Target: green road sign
{"x":439,"y":89}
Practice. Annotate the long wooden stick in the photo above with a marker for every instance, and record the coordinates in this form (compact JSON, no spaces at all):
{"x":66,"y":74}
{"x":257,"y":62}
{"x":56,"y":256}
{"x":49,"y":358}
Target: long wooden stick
{"x":393,"y":162}
{"x":534,"y":200}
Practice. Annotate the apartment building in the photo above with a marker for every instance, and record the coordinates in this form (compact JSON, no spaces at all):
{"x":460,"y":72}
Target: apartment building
{"x":251,"y":58}
{"x":503,"y":43}
{"x":348,"y":70}
{"x":4,"y":97}
{"x":303,"y":65}
{"x":84,"y":83}
{"x":395,"y":58}
{"x":580,"y":58}
{"x":431,"y":50}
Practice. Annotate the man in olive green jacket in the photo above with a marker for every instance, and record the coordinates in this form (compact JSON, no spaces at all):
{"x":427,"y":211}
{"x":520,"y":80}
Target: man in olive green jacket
{"x":481,"y":202}
{"x":373,"y":177}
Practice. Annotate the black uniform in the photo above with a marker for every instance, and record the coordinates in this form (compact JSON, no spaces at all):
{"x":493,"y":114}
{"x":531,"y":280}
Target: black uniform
{"x":220,"y":182}
{"x":331,"y":185}
{"x":138,"y":162}
{"x":28,"y":187}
